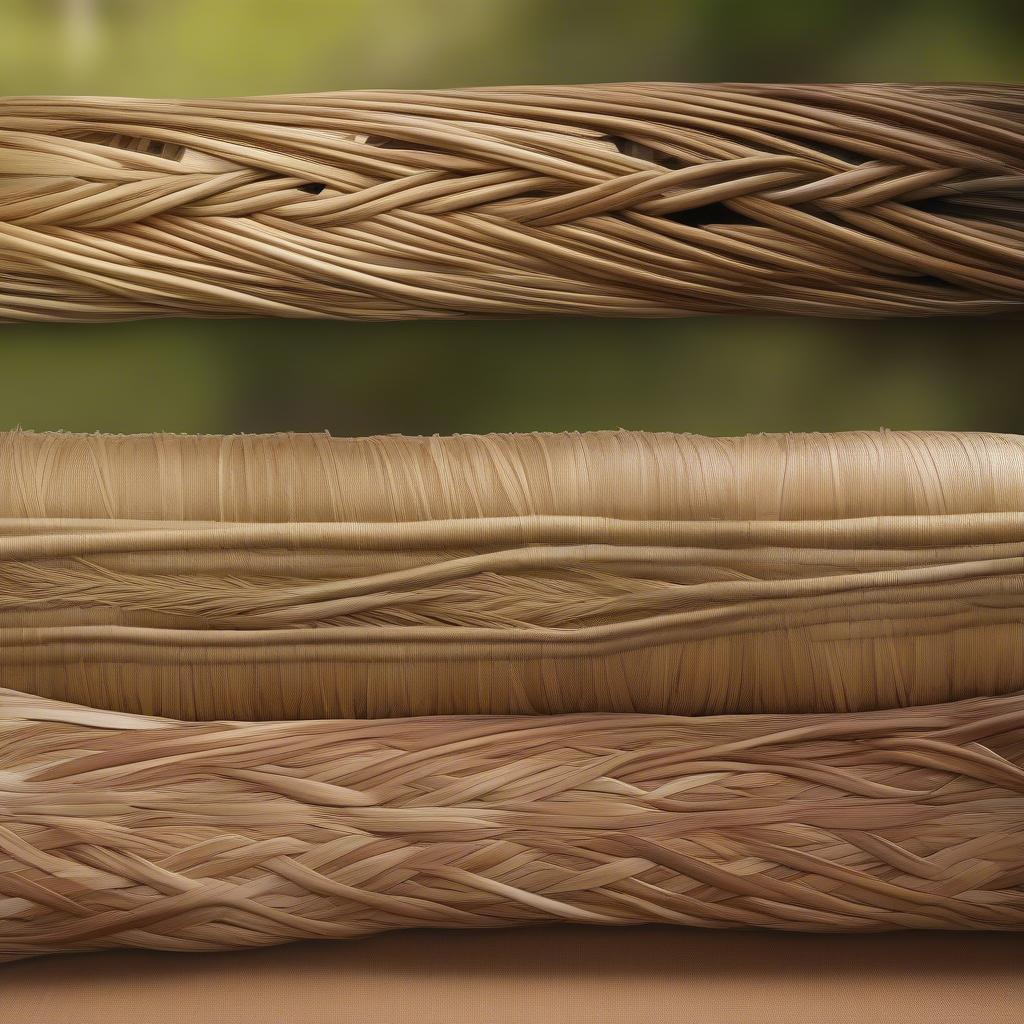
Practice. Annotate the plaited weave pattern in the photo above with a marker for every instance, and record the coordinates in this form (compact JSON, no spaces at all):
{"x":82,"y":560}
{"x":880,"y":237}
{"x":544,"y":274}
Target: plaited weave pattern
{"x":303,"y":576}
{"x":118,"y":830}
{"x":611,"y":200}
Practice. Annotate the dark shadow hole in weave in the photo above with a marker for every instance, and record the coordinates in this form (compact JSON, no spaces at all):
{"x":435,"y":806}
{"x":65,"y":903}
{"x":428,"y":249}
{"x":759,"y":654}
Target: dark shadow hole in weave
{"x":707,"y":216}
{"x":848,"y":156}
{"x":931,"y":281}
{"x":997,"y":207}
{"x":641,"y":151}
{"x":939,"y":205}
{"x":314,"y":188}
{"x":134,"y":144}
{"x":382,"y":142}
{"x":829,"y":149}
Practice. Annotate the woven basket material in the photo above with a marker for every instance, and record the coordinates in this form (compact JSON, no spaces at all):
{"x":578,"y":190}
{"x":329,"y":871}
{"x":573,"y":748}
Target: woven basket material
{"x":118,"y":830}
{"x":307,"y":577}
{"x":615,"y":200}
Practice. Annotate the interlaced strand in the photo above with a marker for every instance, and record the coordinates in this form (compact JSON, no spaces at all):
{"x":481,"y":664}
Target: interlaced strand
{"x":610,"y":200}
{"x":121,"y":831}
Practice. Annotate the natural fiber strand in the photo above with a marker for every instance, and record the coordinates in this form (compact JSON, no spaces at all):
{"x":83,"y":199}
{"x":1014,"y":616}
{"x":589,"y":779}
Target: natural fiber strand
{"x":612,"y":200}
{"x":292,"y":576}
{"x":126,"y":831}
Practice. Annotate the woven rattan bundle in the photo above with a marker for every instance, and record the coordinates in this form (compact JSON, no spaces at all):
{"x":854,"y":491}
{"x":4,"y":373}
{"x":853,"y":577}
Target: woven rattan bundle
{"x":118,"y":830}
{"x":617,"y":200}
{"x":304,"y":576}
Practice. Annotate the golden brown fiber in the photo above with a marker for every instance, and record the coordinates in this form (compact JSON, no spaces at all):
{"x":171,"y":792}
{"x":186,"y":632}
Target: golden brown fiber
{"x":304,"y":576}
{"x":615,"y":200}
{"x":118,"y":830}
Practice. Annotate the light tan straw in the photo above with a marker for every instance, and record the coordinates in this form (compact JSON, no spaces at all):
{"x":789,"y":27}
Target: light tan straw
{"x":304,"y":576}
{"x":612,"y":200}
{"x":117,"y":830}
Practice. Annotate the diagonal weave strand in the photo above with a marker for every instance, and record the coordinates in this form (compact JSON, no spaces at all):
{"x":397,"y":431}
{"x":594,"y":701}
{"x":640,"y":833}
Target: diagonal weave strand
{"x":127,"y":831}
{"x":616,"y":200}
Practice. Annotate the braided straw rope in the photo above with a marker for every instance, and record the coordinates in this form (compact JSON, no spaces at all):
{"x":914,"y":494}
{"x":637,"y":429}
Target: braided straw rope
{"x":303,"y":576}
{"x":118,"y":830}
{"x":611,"y":200}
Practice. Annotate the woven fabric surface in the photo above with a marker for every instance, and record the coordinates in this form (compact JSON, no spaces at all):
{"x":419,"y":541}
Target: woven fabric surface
{"x":310,"y":577}
{"x":118,"y":830}
{"x":647,"y":199}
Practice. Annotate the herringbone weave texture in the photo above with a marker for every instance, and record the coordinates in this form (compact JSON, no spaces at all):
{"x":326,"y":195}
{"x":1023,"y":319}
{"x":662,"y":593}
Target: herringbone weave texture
{"x":615,"y":200}
{"x":127,"y":831}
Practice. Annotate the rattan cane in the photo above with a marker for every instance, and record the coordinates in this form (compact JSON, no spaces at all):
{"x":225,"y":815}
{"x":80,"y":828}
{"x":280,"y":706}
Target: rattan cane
{"x":610,"y":200}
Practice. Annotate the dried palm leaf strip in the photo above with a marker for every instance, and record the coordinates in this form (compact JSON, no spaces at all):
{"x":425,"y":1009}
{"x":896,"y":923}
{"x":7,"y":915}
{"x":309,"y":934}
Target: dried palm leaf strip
{"x":290,"y":576}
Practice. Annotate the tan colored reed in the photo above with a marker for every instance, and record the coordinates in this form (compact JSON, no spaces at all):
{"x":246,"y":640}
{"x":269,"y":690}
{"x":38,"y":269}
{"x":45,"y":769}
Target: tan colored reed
{"x":118,"y":830}
{"x":305,"y":576}
{"x":647,"y":199}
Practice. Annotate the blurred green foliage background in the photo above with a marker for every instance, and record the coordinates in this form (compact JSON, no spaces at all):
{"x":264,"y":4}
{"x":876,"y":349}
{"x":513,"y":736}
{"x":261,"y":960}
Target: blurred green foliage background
{"x":711,"y":376}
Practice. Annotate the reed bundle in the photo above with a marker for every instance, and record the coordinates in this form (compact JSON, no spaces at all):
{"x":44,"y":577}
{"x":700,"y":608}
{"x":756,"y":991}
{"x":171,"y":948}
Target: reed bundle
{"x":611,"y":200}
{"x":303,"y":576}
{"x":117,"y":830}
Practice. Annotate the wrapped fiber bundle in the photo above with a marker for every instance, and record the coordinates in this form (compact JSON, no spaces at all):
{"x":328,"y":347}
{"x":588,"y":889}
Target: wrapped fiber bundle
{"x":284,"y":576}
{"x":611,"y":200}
{"x":117,"y":830}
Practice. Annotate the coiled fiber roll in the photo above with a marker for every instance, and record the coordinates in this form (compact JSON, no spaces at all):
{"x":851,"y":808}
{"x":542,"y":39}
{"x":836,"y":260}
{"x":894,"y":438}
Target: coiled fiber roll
{"x":648,"y":199}
{"x":307,"y":576}
{"x":118,"y":830}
